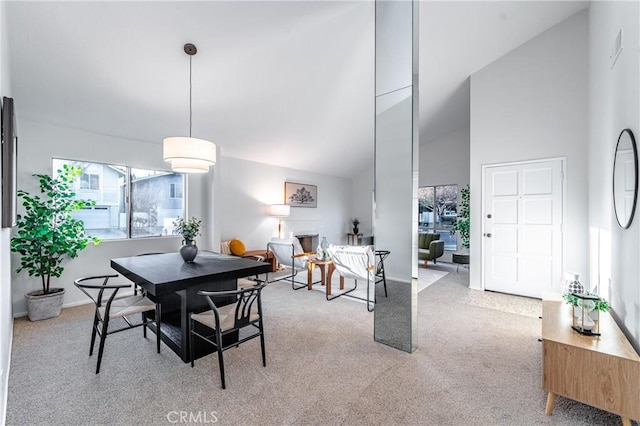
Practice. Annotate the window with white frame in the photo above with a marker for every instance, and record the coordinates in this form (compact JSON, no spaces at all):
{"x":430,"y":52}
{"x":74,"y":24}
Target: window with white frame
{"x":438,"y":212}
{"x":175,"y":191}
{"x":89,"y":181}
{"x":130,"y":202}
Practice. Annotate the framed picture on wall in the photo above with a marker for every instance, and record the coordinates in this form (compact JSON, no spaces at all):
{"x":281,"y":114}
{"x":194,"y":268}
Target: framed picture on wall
{"x":300,"y":194}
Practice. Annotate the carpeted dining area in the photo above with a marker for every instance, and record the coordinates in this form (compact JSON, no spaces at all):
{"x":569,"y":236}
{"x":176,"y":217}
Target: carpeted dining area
{"x":476,"y":364}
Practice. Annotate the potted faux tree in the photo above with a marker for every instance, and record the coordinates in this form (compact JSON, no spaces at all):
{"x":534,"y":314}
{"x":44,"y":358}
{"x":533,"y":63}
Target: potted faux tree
{"x":463,"y":220}
{"x":462,"y":227}
{"x":46,"y":235}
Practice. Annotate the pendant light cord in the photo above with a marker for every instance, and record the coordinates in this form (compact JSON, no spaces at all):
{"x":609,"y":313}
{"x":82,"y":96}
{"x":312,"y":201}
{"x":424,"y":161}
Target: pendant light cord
{"x":190,"y":109}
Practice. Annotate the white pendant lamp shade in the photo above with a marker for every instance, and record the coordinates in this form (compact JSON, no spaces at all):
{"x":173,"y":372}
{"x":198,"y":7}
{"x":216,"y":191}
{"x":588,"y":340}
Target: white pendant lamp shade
{"x":189,"y":155}
{"x":189,"y":166}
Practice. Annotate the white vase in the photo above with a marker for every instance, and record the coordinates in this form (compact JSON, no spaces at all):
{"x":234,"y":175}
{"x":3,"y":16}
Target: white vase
{"x":571,"y":284}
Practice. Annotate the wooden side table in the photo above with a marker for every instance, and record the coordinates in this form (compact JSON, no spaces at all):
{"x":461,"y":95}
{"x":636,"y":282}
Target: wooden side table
{"x":329,"y":275}
{"x":311,"y":264}
{"x":603,"y":371}
{"x":326,"y":271}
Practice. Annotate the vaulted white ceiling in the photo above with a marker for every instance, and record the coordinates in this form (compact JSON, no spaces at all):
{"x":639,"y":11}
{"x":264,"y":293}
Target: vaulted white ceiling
{"x":286,"y":83}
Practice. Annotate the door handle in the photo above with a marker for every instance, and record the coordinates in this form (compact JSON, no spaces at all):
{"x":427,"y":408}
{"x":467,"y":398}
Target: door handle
{"x":488,"y":235}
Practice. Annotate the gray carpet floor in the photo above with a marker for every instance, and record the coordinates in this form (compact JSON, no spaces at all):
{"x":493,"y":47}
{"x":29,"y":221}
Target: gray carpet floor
{"x":478,"y":363}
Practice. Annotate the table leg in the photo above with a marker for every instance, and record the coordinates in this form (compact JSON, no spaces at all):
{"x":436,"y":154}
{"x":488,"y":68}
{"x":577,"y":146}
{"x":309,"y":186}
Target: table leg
{"x":551,"y":399}
{"x":626,"y":421}
{"x":322,"y":275}
{"x":310,"y":266}
{"x":329,"y":275}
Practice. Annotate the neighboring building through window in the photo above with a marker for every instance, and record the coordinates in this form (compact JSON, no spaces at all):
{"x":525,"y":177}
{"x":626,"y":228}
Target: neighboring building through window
{"x":176,"y":190}
{"x":438,"y":211}
{"x":89,"y":181}
{"x":155,"y":200}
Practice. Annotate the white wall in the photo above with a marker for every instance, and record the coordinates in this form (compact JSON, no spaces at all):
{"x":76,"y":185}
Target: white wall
{"x":531,"y":104}
{"x":362,"y":200}
{"x":613,"y":105}
{"x":6,"y":316}
{"x":445,"y":161}
{"x":246,"y":188}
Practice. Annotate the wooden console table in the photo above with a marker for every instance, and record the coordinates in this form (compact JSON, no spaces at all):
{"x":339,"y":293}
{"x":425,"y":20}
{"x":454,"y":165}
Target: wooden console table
{"x":602,"y":372}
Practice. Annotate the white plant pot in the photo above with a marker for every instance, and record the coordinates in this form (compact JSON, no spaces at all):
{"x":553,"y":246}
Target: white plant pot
{"x":43,"y":306}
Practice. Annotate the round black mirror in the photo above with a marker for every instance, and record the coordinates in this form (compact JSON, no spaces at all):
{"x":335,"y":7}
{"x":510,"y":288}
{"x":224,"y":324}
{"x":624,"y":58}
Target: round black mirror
{"x":625,"y":178}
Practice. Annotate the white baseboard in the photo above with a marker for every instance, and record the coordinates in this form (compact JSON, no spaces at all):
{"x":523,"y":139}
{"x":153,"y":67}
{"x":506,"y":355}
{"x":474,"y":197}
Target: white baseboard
{"x":73,"y":304}
{"x":398,"y":280}
{"x":5,"y":381}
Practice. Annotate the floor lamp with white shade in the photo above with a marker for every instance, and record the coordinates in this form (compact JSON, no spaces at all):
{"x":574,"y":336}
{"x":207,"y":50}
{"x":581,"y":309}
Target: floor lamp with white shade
{"x":279,"y":211}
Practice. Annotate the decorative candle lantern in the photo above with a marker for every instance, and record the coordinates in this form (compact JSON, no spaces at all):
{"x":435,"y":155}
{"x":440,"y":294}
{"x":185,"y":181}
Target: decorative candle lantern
{"x":582,"y":321}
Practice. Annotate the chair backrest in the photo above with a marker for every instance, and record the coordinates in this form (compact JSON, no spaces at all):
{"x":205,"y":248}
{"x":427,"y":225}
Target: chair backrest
{"x":248,"y":306}
{"x":425,"y":238}
{"x":89,"y":285}
{"x":438,"y":248}
{"x":382,"y":255}
{"x":355,"y":262}
{"x":285,"y":250}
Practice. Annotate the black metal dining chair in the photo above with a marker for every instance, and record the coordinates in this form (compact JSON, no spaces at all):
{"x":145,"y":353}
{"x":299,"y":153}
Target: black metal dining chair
{"x":380,"y":275}
{"x":113,"y":308}
{"x":226,"y":319}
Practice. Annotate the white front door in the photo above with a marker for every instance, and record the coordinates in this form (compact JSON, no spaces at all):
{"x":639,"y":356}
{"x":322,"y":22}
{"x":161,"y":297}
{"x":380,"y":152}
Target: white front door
{"x":522,"y":227}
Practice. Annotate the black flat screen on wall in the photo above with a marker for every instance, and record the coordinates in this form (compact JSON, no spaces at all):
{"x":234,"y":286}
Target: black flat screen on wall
{"x":9,"y":163}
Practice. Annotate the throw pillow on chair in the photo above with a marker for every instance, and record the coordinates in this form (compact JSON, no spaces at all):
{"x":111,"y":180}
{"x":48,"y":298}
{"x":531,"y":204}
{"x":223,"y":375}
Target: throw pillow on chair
{"x":237,"y":247}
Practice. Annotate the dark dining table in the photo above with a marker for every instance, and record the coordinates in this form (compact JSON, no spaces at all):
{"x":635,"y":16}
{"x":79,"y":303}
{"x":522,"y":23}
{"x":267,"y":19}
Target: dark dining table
{"x":167,"y":279}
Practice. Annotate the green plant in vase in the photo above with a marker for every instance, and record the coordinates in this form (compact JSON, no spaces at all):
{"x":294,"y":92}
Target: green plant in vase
{"x":189,"y":229}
